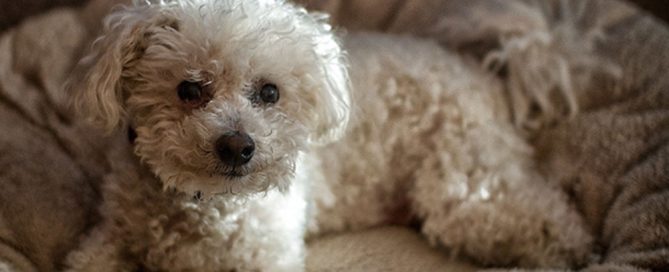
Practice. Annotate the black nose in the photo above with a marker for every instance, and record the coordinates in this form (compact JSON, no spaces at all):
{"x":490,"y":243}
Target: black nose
{"x":235,"y":149}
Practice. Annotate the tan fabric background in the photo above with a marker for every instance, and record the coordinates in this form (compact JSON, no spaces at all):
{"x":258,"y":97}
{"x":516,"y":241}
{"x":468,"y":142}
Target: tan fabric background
{"x":12,"y":12}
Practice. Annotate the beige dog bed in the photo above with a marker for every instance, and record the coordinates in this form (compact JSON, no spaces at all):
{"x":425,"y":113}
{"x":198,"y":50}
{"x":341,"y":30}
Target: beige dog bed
{"x":615,"y":138}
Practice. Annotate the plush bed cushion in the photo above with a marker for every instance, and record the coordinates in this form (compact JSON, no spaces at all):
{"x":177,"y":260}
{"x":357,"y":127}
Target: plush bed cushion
{"x":381,"y":249}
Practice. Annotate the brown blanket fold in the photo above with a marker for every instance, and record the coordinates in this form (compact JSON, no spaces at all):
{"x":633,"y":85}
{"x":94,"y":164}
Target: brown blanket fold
{"x":42,"y":149}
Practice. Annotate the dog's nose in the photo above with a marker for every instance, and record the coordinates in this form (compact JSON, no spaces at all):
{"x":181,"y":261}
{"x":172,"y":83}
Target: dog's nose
{"x":235,"y":149}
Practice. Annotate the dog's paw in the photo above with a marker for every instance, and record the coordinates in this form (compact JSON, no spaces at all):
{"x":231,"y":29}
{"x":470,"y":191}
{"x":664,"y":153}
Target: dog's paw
{"x":529,"y":228}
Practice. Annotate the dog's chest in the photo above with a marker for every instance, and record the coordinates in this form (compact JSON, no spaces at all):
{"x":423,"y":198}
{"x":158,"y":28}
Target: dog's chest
{"x":191,"y":235}
{"x":165,"y":232}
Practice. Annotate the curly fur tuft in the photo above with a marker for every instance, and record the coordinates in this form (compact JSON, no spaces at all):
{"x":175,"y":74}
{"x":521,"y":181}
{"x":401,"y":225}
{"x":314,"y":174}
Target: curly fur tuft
{"x":546,"y":59}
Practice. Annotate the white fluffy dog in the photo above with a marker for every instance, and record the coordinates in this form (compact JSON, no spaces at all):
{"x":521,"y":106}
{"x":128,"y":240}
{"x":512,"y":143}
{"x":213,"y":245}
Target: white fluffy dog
{"x":248,"y":134}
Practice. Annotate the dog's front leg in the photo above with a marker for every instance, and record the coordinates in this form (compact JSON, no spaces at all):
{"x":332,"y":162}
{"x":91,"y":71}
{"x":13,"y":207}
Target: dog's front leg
{"x":271,"y":234}
{"x":498,"y":210}
{"x":99,"y":252}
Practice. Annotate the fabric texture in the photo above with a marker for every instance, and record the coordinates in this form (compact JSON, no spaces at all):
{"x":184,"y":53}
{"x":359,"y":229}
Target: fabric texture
{"x":382,"y":249}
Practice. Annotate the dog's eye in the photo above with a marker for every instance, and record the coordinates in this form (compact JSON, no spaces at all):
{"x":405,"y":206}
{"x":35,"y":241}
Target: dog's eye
{"x":192,"y":93}
{"x":269,"y":93}
{"x":189,"y":91}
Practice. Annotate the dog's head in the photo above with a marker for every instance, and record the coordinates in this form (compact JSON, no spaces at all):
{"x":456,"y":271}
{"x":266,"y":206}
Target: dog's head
{"x":222,"y":94}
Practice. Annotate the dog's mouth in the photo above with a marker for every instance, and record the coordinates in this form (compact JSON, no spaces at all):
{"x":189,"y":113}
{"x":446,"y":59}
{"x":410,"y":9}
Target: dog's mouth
{"x":234,"y":174}
{"x":228,"y":172}
{"x":240,"y":172}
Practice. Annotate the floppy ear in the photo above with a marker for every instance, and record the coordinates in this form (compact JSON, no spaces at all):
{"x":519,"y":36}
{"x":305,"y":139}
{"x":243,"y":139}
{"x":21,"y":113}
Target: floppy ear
{"x":333,"y":111}
{"x":99,"y":94}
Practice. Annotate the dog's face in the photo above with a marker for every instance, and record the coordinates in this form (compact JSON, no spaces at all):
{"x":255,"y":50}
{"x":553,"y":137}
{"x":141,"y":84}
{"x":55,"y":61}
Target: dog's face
{"x":222,"y":95}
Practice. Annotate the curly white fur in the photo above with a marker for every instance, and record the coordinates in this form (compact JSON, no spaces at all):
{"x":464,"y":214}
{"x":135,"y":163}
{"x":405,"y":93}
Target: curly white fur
{"x":429,"y":138}
{"x":440,"y":148}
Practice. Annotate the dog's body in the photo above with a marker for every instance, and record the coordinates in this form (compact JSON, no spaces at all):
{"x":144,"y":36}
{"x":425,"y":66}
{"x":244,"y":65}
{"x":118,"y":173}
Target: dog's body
{"x":439,"y":148}
{"x":224,"y":173}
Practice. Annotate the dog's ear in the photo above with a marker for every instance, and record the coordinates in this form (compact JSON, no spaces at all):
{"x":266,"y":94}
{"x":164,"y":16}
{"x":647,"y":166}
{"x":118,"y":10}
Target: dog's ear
{"x":99,"y":92}
{"x":332,"y":111}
